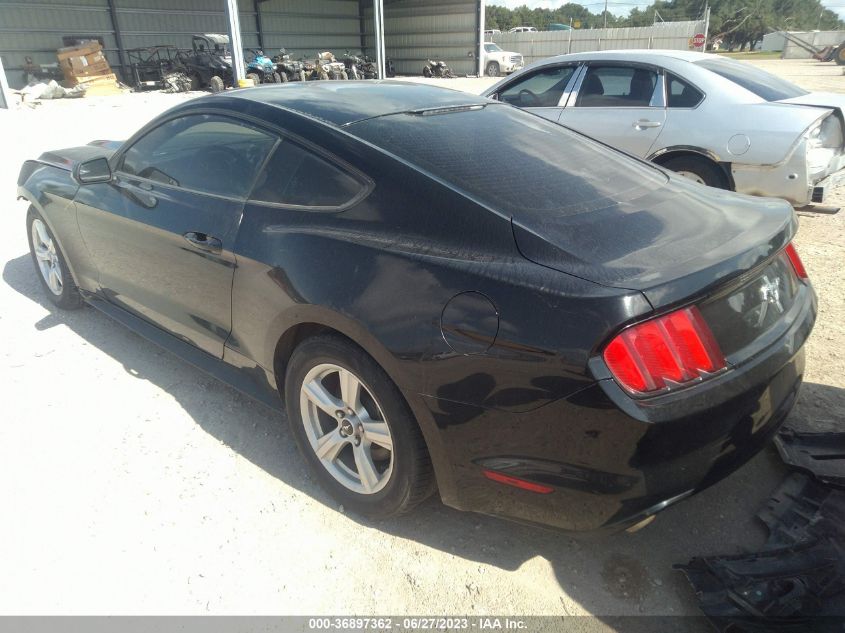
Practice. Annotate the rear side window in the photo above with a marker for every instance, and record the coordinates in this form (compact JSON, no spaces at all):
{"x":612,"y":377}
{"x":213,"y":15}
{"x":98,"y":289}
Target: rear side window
{"x":295,"y":176}
{"x":765,"y":85}
{"x":205,"y":153}
{"x":680,"y":94}
{"x":542,"y":89}
{"x":617,"y":87}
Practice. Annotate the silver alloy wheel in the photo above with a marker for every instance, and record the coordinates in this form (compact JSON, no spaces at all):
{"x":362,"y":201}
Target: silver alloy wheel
{"x":47,"y":257}
{"x":346,"y":428}
{"x":690,"y":175}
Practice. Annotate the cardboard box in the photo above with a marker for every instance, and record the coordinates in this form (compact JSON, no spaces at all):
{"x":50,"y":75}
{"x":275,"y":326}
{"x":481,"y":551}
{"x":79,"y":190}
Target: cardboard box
{"x":79,"y":51}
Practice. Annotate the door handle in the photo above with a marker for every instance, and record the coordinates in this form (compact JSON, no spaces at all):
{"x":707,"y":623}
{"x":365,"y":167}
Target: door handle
{"x":642,"y":124}
{"x":203,"y":242}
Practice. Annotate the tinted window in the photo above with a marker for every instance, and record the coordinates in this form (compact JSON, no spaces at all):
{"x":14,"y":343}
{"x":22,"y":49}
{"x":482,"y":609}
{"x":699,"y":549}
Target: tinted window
{"x":616,"y":86}
{"x":543,"y":88}
{"x":295,"y":176}
{"x":680,"y":94}
{"x":492,"y":48}
{"x":550,"y":169}
{"x":203,"y":152}
{"x":765,"y":85}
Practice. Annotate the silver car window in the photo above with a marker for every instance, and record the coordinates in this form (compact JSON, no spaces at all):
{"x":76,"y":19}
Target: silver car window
{"x":609,"y":86}
{"x":540,"y":89}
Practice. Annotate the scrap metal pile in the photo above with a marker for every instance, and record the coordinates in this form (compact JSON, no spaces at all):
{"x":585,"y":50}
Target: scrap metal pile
{"x":797,"y":582}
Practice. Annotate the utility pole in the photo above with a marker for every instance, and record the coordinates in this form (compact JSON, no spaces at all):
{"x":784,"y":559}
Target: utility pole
{"x":605,"y":14}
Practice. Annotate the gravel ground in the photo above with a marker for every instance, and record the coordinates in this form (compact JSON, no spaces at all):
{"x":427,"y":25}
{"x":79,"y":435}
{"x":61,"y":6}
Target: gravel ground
{"x":137,"y":485}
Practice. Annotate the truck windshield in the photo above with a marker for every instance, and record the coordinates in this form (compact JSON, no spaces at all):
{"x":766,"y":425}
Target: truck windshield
{"x":492,"y":48}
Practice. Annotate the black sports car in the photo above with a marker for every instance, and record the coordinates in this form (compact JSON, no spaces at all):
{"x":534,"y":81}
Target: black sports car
{"x":447,"y":293}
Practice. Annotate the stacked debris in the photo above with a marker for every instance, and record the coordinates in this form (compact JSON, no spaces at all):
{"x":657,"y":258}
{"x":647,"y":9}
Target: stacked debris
{"x":86,"y":65}
{"x":797,"y":582}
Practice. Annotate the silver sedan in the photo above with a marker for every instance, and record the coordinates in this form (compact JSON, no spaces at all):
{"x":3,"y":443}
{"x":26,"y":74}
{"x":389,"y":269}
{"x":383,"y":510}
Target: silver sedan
{"x":718,"y":121}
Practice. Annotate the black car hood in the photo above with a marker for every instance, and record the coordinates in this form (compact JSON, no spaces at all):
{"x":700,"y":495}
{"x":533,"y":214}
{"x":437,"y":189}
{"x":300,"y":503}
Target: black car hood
{"x":69,"y":157}
{"x":677,"y":241}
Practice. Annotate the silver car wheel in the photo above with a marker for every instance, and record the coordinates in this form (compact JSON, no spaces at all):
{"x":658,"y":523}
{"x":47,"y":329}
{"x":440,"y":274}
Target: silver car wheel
{"x":346,"y":428}
{"x":47,"y":257}
{"x":691,"y":175}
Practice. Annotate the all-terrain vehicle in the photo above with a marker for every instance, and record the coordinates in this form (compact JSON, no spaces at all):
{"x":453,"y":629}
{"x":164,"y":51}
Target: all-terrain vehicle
{"x":260,"y":68}
{"x":437,"y":69}
{"x":326,"y":66}
{"x":157,"y":67}
{"x":289,"y":69}
{"x":359,"y":66}
{"x":208,"y":63}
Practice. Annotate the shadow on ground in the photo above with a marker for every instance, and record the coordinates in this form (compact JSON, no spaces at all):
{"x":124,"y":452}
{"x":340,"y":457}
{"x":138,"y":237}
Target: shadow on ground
{"x":623,"y":573}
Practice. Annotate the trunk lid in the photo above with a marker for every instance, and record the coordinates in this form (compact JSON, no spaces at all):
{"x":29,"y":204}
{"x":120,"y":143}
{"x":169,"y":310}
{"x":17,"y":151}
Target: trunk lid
{"x":819,"y":100}
{"x":680,"y":241}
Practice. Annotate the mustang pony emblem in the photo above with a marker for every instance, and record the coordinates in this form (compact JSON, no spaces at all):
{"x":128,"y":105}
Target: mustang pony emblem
{"x":769,"y":295}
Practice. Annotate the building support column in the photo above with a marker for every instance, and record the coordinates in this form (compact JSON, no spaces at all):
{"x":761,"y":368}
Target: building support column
{"x":118,"y":38}
{"x":235,"y":42}
{"x":481,"y":21}
{"x":259,"y":25}
{"x":378,"y":19}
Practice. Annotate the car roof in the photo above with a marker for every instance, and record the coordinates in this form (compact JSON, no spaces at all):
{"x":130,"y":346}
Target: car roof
{"x":632,"y":55}
{"x":345,"y":102}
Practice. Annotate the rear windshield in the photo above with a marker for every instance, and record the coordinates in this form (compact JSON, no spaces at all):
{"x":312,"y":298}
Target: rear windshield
{"x":513,"y":161}
{"x":765,"y":85}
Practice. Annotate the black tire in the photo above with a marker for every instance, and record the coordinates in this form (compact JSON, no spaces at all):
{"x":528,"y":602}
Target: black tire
{"x":344,"y":75}
{"x":196,"y":82}
{"x":256,"y":79}
{"x":69,"y":297}
{"x":492,"y":69}
{"x":427,"y":72}
{"x":280,"y":78}
{"x":216,"y":84}
{"x":839,"y":55}
{"x":354,"y":74}
{"x":708,"y":172}
{"x":411,"y":479}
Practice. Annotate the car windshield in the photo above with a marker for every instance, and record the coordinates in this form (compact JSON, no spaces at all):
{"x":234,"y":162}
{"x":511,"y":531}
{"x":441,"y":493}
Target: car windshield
{"x":765,"y":85}
{"x":492,"y":48}
{"x":529,"y":167}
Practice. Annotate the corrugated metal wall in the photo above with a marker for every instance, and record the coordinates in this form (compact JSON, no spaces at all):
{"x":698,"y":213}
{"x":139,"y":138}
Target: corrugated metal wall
{"x":415,"y":30}
{"x":35,"y":28}
{"x":418,"y":30}
{"x":535,"y":46}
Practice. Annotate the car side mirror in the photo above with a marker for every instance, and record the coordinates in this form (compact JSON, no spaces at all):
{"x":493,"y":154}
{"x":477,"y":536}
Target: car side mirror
{"x":94,"y":170}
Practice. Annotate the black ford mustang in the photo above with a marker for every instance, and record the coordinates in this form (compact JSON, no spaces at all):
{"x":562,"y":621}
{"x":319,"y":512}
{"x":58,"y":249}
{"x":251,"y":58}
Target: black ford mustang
{"x":447,"y":294}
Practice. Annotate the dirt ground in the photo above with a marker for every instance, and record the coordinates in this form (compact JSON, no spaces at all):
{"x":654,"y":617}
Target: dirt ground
{"x":135,"y":484}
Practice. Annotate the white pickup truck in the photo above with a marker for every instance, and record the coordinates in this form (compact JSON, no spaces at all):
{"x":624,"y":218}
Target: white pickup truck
{"x":498,"y":62}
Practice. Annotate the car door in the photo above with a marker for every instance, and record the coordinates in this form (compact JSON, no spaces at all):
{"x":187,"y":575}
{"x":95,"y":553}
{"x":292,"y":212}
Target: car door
{"x":620,"y":104}
{"x":543,"y":91}
{"x":161,"y":232}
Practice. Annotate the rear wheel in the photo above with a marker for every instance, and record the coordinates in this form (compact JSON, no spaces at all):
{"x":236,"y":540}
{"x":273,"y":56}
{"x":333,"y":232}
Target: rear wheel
{"x":254,"y":78}
{"x":492,"y":69}
{"x":839,"y":54}
{"x":355,"y":429}
{"x":196,"y":82}
{"x":50,"y":263}
{"x":427,"y":72}
{"x":700,"y":170}
{"x":277,"y":78}
{"x":216,"y":84}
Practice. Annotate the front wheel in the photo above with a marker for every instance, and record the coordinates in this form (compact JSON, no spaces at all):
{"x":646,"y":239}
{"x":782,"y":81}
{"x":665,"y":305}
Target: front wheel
{"x":700,"y":170}
{"x":279,"y":79}
{"x":50,"y":263}
{"x":492,"y":69}
{"x":839,"y":54}
{"x":216,"y":84}
{"x":355,"y":430}
{"x":254,"y":77}
{"x":427,"y":72}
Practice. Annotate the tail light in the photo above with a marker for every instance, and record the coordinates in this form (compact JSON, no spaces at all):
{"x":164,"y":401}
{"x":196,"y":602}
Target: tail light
{"x":797,"y":264}
{"x":665,"y":352}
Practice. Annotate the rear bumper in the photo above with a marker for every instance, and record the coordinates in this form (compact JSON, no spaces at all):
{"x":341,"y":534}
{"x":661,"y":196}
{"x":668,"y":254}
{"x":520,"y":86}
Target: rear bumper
{"x":613,"y":461}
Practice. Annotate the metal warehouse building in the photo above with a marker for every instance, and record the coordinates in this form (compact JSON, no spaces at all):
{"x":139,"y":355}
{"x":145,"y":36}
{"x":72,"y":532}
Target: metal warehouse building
{"x":414,"y":30}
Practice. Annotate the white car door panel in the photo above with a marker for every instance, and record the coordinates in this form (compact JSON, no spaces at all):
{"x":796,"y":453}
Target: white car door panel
{"x":620,"y":105}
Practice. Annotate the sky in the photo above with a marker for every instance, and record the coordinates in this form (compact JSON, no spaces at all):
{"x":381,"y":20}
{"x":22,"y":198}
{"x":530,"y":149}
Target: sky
{"x":622,"y":7}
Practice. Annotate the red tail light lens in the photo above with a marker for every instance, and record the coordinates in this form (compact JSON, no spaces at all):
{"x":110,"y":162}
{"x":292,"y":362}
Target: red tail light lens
{"x":796,"y":262}
{"x":668,"y":351}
